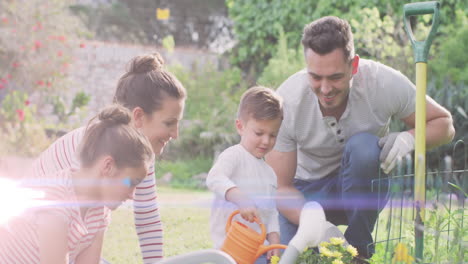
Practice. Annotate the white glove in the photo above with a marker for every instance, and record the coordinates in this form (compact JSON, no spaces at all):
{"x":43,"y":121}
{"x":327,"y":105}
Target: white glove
{"x":394,"y":146}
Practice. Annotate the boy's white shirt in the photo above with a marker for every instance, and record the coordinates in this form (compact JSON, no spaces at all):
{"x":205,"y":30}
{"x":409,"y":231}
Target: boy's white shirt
{"x":236,"y":167}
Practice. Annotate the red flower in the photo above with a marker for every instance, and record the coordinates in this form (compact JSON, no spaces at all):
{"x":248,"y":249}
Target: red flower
{"x":4,"y":80}
{"x":27,"y":102}
{"x":9,"y":76}
{"x":61,"y":38}
{"x":59,"y":53}
{"x":37,"y":45}
{"x":20,"y":114}
{"x":82,"y":45}
{"x":49,"y":84}
{"x":2,"y":86}
{"x":16,"y":64}
{"x":40,"y":82}
{"x":5,"y":20}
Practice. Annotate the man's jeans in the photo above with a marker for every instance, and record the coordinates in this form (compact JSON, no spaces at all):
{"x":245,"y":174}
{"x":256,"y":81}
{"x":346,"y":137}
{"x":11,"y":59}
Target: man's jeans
{"x":346,"y":194}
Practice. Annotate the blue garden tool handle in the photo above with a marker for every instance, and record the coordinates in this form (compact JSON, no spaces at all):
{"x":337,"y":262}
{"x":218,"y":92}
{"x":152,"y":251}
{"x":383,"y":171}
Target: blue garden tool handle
{"x":421,"y":48}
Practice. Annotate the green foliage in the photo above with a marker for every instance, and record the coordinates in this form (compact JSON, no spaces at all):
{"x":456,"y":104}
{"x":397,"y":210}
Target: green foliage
{"x":256,"y":31}
{"x":168,"y":43}
{"x":283,"y":64}
{"x":19,"y":132}
{"x":451,"y":59}
{"x":374,"y":38}
{"x":439,"y":246}
{"x":183,"y":171}
{"x":379,"y":30}
{"x":110,"y":21}
{"x":16,"y":108}
{"x":210,"y":111}
{"x":80,"y":100}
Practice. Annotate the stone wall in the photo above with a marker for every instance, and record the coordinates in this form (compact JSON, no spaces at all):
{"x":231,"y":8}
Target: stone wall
{"x":99,"y":65}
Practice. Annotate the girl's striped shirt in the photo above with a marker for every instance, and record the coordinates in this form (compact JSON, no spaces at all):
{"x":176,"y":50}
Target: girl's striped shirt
{"x":19,"y":237}
{"x":63,"y":154}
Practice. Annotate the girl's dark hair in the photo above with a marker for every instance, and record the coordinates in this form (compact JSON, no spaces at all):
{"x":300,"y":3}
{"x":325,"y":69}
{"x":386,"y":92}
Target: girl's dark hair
{"x":146,"y":83}
{"x":110,"y":133}
{"x":327,"y":34}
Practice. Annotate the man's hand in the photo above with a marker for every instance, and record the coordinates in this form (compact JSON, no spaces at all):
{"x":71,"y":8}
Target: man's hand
{"x":273,"y":238}
{"x":394,"y":146}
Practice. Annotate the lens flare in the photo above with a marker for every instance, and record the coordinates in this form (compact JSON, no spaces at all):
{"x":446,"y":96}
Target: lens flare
{"x":15,"y":199}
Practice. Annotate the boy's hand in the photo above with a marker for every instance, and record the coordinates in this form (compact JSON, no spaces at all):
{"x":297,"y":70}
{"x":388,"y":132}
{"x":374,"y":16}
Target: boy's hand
{"x":247,"y":208}
{"x":273,"y":252}
{"x":249,"y":212}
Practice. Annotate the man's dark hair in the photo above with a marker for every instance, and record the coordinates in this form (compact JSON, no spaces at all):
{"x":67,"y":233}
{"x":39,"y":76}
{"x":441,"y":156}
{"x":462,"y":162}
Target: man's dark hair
{"x":327,"y":34}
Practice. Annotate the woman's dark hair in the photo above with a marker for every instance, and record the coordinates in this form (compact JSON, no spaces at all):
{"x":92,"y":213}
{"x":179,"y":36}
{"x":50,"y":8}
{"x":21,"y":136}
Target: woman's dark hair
{"x":146,"y":83}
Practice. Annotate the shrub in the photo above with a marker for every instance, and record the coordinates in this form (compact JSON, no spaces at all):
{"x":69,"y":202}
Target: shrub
{"x":210,"y":111}
{"x":20,"y":133}
{"x":283,"y":64}
{"x":37,"y":40}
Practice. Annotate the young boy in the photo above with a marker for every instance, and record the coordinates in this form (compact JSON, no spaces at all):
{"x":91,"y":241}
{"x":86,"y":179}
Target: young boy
{"x":240,"y":178}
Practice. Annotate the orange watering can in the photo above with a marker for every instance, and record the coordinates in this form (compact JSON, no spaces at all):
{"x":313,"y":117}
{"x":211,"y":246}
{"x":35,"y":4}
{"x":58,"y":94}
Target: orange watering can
{"x":243,"y":243}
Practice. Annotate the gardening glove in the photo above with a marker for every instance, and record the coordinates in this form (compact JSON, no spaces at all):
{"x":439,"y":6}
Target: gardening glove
{"x":394,"y":146}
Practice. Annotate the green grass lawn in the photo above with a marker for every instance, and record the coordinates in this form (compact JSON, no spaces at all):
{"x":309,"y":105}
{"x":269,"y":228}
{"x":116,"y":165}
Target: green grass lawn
{"x":185,"y":215}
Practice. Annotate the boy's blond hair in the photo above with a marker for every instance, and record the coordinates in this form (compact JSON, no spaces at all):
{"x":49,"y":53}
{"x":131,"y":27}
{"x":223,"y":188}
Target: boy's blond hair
{"x":261,"y":103}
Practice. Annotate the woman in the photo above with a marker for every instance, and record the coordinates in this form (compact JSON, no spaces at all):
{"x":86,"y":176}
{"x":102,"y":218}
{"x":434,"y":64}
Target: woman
{"x":69,"y":224}
{"x":156,"y":100}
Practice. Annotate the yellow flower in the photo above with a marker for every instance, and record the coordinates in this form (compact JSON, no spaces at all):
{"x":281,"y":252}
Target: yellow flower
{"x":274,"y":260}
{"x":337,"y":241}
{"x":401,"y":254}
{"x":337,"y":261}
{"x":352,"y":250}
{"x":325,"y":252}
{"x":324,"y":244}
{"x":336,"y":254}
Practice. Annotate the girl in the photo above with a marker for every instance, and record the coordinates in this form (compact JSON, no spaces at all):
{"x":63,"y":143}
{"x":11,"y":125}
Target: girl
{"x":69,"y":226}
{"x":156,"y":100}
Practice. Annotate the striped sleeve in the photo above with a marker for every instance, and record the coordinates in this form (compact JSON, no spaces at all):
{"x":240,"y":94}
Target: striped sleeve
{"x":147,"y":219}
{"x":62,"y":154}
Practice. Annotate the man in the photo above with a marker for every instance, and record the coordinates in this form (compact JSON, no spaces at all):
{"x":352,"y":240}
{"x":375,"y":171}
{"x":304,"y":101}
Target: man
{"x":335,"y":135}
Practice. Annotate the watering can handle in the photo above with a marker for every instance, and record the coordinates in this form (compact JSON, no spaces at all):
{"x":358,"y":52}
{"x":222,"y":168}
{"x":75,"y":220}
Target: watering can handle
{"x":229,"y":221}
{"x":421,"y":48}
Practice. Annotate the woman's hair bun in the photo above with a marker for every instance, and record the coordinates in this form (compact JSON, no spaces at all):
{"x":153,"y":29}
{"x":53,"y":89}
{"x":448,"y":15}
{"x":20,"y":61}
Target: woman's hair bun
{"x":115,"y":114}
{"x":146,"y":63}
